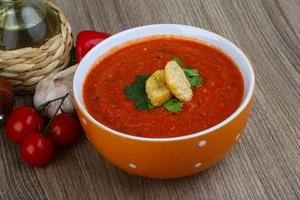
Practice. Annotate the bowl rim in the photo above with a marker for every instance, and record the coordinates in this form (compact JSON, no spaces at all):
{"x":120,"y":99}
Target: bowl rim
{"x":243,"y":105}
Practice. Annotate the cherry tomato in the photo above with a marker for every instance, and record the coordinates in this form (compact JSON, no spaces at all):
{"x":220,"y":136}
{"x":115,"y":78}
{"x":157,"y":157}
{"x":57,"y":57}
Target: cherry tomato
{"x":21,"y":122}
{"x":37,"y":150}
{"x":64,"y":129}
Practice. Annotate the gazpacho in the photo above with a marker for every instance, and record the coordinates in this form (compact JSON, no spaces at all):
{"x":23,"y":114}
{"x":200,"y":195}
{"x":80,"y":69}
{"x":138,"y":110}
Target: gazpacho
{"x":163,"y":86}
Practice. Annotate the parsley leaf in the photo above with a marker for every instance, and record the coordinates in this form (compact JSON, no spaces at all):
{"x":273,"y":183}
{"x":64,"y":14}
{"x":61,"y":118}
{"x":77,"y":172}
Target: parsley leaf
{"x":137,"y":92}
{"x":193,"y":77}
{"x":178,"y":60}
{"x":191,"y":72}
{"x":195,"y":81}
{"x":144,"y":104}
{"x":173,"y":105}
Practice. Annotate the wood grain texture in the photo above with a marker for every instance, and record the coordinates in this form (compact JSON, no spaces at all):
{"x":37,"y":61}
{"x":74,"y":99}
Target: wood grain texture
{"x":265,"y":164}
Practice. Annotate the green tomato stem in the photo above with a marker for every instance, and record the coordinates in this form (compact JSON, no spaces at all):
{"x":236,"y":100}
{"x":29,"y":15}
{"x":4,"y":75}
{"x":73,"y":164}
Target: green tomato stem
{"x":41,"y":109}
{"x":63,"y":98}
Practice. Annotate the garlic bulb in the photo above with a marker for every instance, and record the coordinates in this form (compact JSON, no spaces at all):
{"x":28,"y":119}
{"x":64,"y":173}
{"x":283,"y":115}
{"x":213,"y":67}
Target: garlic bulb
{"x":53,"y":86}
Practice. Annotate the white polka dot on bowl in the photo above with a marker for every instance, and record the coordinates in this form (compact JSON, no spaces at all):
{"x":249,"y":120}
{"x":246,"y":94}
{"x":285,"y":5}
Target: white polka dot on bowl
{"x":202,"y":143}
{"x":131,"y":165}
{"x":198,"y":164}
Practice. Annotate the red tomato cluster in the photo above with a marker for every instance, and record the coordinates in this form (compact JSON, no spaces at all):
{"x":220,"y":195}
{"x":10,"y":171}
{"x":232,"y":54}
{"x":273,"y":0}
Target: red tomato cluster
{"x":25,"y":126}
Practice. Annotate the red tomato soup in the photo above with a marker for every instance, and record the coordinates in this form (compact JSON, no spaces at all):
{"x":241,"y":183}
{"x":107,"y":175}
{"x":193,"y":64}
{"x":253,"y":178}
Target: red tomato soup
{"x":215,"y":100}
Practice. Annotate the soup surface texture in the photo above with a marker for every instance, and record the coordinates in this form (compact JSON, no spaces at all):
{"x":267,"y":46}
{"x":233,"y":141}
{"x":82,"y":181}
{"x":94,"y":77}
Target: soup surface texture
{"x":215,"y":100}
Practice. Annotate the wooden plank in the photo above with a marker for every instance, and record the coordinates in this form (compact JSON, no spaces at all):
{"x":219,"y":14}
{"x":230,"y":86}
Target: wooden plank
{"x":265,"y":164}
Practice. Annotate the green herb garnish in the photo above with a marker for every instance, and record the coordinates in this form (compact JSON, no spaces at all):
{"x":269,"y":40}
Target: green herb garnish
{"x":191,"y":74}
{"x":144,"y":104}
{"x":193,"y":77}
{"x":178,"y":60}
{"x":137,"y":92}
{"x":173,"y":105}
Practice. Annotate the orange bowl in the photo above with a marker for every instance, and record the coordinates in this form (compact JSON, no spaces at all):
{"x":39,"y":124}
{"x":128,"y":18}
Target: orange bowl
{"x":165,"y":157}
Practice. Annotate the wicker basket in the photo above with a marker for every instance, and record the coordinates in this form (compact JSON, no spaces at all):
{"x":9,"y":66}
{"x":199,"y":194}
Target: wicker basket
{"x":25,"y":67}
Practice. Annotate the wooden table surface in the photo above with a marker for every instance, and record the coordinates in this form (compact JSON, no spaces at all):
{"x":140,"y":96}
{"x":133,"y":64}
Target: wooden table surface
{"x":265,"y":164}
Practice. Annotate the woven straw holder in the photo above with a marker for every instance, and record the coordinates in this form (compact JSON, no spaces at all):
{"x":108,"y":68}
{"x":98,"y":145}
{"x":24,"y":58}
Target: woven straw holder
{"x":25,"y":67}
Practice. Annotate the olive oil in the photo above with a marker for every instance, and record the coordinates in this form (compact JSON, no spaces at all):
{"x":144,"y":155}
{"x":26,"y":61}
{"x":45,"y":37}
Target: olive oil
{"x":26,"y":23}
